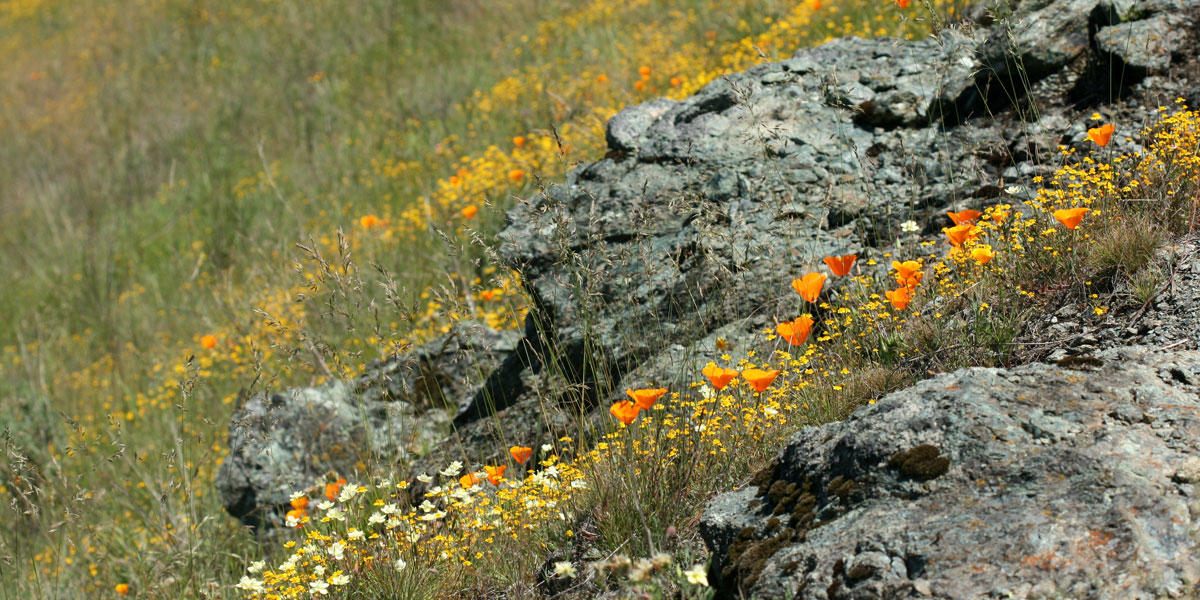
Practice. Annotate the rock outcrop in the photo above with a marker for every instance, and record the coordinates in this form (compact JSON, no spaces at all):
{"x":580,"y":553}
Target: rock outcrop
{"x":286,"y":442}
{"x":1043,"y":481}
{"x":704,"y":208}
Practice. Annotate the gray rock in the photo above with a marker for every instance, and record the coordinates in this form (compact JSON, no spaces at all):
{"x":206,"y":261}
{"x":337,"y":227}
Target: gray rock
{"x":1041,"y":38}
{"x":286,"y":442}
{"x":1144,"y":45}
{"x":1035,"y":482}
{"x":680,"y":233}
{"x":627,"y":126}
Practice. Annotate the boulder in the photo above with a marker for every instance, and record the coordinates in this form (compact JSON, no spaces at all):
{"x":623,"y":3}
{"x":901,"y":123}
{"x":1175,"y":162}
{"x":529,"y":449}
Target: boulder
{"x":1144,"y":45}
{"x":1038,"y":482}
{"x":294,"y":440}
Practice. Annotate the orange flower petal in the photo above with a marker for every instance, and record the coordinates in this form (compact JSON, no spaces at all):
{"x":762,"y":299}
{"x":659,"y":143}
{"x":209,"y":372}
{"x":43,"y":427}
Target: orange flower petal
{"x":645,"y":398}
{"x":840,"y":265}
{"x":624,"y":410}
{"x":718,"y":376}
{"x":470,"y":211}
{"x":520,"y":454}
{"x":1101,"y":135}
{"x":759,"y":379}
{"x":899,"y":298}
{"x":209,"y":341}
{"x":964,"y":216}
{"x":1070,"y":217}
{"x":495,"y":474}
{"x":795,"y":332}
{"x":809,"y":286}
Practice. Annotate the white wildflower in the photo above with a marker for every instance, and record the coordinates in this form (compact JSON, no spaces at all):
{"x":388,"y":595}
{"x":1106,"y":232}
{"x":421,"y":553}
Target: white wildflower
{"x":250,"y":584}
{"x":547,"y":447}
{"x":579,"y":484}
{"x":341,"y":579}
{"x":337,"y":550}
{"x":324,"y":505}
{"x":376,"y":518}
{"x":355,"y":534}
{"x":394,"y":522}
{"x":318,"y":587}
{"x":423,"y":478}
{"x":319,"y":570}
{"x":336,"y":513}
{"x":389,"y":509}
{"x":399,"y":564}
{"x":256,"y":566}
{"x":697,"y":575}
{"x":347,"y":494}
{"x":909,"y":226}
{"x":452,"y":470}
{"x":564,"y":569}
{"x":427,"y":506}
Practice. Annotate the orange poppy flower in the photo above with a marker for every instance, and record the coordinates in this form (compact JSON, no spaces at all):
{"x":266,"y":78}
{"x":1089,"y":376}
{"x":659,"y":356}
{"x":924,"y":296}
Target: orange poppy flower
{"x":676,"y":82}
{"x":1070,"y":217}
{"x":122,"y":588}
{"x":469,"y":480}
{"x":840,"y":265}
{"x":644,"y":72}
{"x":1101,"y":135}
{"x":624,"y":410}
{"x":963,"y":217}
{"x":520,"y":454}
{"x":795,"y":332}
{"x":516,"y":175}
{"x":209,"y":341}
{"x":816,"y":4}
{"x":332,"y":489}
{"x":639,"y":85}
{"x":495,"y":474}
{"x":809,"y":286}
{"x":470,"y":211}
{"x":299,"y":503}
{"x":961,"y":234}
{"x":759,"y":379}
{"x":519,"y":141}
{"x":487,"y":295}
{"x":902,"y":3}
{"x":718,"y":376}
{"x":908,"y":273}
{"x":644,"y":399}
{"x":899,"y":297}
{"x":982,"y":254}
{"x":369,"y":221}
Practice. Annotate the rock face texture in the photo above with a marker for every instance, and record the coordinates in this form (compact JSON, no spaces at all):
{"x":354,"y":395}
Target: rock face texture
{"x":286,"y":442}
{"x":1038,"y":482}
{"x":690,"y":228}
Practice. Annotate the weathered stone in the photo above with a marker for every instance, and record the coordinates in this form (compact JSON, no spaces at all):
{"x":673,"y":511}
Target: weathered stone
{"x":1144,"y":45}
{"x":290,"y":441}
{"x":1027,"y":482}
{"x":627,"y":126}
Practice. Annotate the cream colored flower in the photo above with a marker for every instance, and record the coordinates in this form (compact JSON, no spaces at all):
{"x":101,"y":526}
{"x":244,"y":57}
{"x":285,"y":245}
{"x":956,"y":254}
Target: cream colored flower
{"x":697,"y":575}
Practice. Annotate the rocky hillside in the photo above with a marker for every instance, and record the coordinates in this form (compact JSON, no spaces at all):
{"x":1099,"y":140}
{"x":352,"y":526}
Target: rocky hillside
{"x":1073,"y":479}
